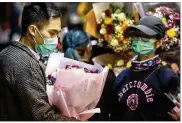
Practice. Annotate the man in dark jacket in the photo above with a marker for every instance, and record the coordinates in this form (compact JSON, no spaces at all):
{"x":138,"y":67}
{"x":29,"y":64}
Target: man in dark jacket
{"x":23,"y":94}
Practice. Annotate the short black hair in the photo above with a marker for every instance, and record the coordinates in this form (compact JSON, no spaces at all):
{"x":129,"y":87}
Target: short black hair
{"x":38,"y":13}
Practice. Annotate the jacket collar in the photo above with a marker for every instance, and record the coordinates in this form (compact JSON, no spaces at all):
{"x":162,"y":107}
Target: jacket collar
{"x":24,"y":48}
{"x":146,"y":64}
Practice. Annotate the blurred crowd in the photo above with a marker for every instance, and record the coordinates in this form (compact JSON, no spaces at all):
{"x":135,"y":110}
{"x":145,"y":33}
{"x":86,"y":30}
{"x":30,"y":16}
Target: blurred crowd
{"x":10,"y":18}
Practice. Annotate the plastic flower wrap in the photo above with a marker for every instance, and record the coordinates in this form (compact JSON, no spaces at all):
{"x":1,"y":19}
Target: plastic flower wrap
{"x":75,"y":87}
{"x":169,"y":17}
{"x":111,"y":25}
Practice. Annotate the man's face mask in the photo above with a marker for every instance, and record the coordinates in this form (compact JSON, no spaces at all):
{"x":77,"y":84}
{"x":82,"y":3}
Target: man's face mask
{"x":143,"y":46}
{"x":47,"y":47}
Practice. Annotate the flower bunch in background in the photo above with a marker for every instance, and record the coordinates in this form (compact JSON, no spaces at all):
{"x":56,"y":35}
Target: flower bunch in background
{"x":170,"y":18}
{"x":111,"y":27}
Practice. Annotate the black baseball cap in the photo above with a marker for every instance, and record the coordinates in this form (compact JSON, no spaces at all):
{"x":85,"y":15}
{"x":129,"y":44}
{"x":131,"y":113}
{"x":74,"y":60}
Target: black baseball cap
{"x":149,"y":25}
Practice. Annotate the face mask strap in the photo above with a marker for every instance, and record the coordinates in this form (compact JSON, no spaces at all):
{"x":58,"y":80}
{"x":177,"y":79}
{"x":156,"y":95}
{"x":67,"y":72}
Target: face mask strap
{"x":39,"y":33}
{"x":34,"y":40}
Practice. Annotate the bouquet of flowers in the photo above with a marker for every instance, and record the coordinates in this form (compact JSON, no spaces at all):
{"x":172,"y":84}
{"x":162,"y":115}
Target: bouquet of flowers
{"x":76,"y":87}
{"x":111,"y":26}
{"x":170,"y":18}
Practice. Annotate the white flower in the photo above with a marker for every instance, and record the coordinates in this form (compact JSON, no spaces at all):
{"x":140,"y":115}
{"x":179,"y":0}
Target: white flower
{"x":117,"y":28}
{"x":121,"y":17}
{"x":103,"y":31}
{"x":171,"y":17}
{"x":103,"y":15}
{"x":130,"y":22}
{"x":158,"y":15}
{"x":157,"y":9}
{"x":114,"y":42}
{"x":99,"y":20}
{"x":114,"y":16}
{"x":175,"y":40}
{"x":176,"y":29}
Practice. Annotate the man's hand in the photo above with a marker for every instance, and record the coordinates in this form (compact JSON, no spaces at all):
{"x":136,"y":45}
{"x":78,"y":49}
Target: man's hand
{"x":175,"y":112}
{"x":175,"y":67}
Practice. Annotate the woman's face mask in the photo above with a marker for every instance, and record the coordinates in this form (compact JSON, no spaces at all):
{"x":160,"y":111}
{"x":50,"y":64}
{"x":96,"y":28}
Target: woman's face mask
{"x":143,"y":46}
{"x":48,"y":46}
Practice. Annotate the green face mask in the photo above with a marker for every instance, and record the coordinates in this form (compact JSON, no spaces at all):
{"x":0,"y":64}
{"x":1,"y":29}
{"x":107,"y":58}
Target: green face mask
{"x":143,"y":48}
{"x":48,"y":46}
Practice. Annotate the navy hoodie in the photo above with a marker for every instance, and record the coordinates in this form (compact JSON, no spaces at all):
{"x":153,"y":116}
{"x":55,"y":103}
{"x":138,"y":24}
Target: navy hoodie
{"x":139,"y":99}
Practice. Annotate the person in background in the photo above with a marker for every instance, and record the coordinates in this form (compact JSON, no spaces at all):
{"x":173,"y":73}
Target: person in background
{"x":76,"y":43}
{"x":15,"y":20}
{"x":139,"y":90}
{"x":173,"y":61}
{"x":23,"y":94}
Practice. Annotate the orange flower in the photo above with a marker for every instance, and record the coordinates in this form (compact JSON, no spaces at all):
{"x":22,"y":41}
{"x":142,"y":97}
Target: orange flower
{"x":107,"y":20}
{"x":120,"y":38}
{"x":124,"y":26}
{"x":136,"y":16}
{"x":125,"y":41}
{"x":81,"y":8}
{"x":108,"y":38}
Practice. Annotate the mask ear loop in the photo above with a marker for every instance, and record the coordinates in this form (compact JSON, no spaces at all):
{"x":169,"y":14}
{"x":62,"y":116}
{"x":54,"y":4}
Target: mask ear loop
{"x":34,"y":40}
{"x":39,"y":33}
{"x":155,"y":40}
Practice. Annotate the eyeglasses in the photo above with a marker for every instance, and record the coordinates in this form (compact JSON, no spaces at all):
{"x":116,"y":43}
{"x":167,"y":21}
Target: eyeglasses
{"x":140,"y":38}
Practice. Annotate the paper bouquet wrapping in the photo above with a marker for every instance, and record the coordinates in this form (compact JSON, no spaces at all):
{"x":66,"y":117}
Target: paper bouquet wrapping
{"x":76,"y":92}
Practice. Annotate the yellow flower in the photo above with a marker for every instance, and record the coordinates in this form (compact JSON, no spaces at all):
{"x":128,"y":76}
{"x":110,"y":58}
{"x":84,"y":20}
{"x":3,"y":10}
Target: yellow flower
{"x":164,"y":21}
{"x":164,"y":63}
{"x":120,"y":63}
{"x":110,"y":66}
{"x":103,"y":26}
{"x":107,"y":20}
{"x":114,"y":42}
{"x":81,"y":8}
{"x":171,"y":33}
{"x":128,"y":64}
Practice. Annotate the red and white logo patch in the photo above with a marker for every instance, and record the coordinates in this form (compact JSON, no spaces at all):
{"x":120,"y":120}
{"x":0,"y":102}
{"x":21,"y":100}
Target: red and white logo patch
{"x":132,"y":101}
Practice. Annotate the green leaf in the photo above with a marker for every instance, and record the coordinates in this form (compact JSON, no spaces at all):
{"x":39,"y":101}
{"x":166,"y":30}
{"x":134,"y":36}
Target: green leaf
{"x":152,"y":9}
{"x":118,"y":11}
{"x":130,"y":16}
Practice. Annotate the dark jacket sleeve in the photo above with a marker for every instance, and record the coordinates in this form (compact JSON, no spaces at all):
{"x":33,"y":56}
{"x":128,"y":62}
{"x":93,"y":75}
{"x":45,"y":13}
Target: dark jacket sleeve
{"x":30,"y":90}
{"x":174,"y":83}
{"x":169,"y":80}
{"x":116,"y":110}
